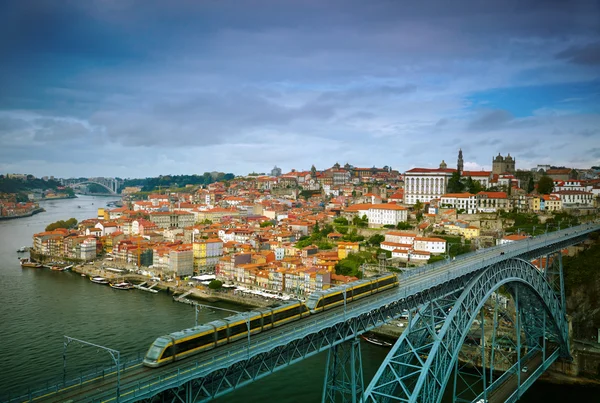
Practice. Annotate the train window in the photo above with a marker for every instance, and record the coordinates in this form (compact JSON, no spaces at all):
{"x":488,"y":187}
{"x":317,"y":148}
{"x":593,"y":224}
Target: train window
{"x":362,"y":289}
{"x":221,"y":334}
{"x":321,"y":303}
{"x":196,"y":342}
{"x":268,"y":319}
{"x":334,"y":298}
{"x":167,"y":353}
{"x":154,"y":352}
{"x":237,"y":329}
{"x":286,"y":313}
{"x":255,"y":323}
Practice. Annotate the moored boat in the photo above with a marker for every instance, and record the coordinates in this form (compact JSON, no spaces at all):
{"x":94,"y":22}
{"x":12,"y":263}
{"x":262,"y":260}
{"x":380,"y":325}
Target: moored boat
{"x":370,"y":338}
{"x":99,"y":280}
{"x":22,"y":249}
{"x":29,"y":263}
{"x":122,"y":286}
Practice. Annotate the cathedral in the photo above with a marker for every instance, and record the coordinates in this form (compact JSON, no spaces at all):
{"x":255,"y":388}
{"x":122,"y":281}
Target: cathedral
{"x":501,"y":164}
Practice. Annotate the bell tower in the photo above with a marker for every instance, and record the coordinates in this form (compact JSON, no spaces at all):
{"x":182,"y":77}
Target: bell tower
{"x":460,"y":164}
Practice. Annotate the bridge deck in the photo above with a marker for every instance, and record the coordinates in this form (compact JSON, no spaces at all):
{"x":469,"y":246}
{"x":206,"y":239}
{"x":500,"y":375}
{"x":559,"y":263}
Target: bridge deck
{"x":139,"y":381}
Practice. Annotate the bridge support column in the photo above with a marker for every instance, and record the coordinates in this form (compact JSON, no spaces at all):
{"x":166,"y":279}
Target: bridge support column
{"x":343,"y":375}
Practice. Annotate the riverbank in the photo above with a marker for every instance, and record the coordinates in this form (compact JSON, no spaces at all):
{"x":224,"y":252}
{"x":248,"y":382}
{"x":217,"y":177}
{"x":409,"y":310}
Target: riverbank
{"x":57,"y":198}
{"x":177,"y":288}
{"x":36,"y":211}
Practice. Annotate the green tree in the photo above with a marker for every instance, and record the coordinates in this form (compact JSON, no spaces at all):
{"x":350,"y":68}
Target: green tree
{"x":266,"y":224}
{"x":545,"y":185}
{"x":418,"y":206}
{"x":472,"y":186}
{"x":341,"y":221}
{"x":530,"y":185}
{"x":376,"y":239}
{"x":403,"y":225}
{"x":215,"y":285}
{"x":70,"y":223}
{"x":455,"y":185}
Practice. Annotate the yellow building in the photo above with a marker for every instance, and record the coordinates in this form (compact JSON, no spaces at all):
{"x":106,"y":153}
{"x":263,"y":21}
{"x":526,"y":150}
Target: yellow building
{"x":346,"y":248}
{"x":470,"y":232}
{"x":207,"y":253}
{"x":534,"y":204}
{"x":103,"y":214}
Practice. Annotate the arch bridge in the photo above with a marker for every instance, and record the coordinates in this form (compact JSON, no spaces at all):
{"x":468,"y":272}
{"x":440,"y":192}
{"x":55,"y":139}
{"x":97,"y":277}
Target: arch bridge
{"x":110,"y":184}
{"x":461,"y":333}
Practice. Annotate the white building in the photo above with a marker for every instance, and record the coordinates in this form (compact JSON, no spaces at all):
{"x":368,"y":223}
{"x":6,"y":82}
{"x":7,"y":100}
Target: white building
{"x":380,"y":214}
{"x":460,"y":201}
{"x":511,"y":238}
{"x":571,"y":184}
{"x":575,"y":198}
{"x":88,"y":249}
{"x":400,"y":237}
{"x":424,"y":184}
{"x":432,"y":245}
{"x":411,"y":255}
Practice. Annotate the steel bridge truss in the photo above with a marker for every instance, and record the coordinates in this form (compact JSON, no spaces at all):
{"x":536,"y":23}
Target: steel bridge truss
{"x":420,"y":365}
{"x":205,"y":387}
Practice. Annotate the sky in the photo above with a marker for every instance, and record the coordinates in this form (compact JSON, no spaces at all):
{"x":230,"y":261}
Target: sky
{"x":139,"y":88}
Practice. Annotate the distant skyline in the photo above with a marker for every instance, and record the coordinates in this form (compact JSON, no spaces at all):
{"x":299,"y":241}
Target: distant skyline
{"x":140,"y":88}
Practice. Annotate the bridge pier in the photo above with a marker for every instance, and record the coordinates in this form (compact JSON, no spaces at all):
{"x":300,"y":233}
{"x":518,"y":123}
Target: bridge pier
{"x":343,"y":374}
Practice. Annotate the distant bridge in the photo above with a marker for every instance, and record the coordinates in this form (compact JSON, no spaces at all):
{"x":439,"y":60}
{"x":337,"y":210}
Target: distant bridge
{"x":110,"y":184}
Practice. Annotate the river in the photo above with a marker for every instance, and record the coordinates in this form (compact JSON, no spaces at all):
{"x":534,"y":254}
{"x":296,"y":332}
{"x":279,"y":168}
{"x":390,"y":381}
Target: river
{"x":40,"y":307}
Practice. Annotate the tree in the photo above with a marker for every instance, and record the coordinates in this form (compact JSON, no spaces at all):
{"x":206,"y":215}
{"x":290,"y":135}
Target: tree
{"x":403,"y":225}
{"x":215,"y":285}
{"x":70,"y":223}
{"x":455,"y":185}
{"x":472,"y":186}
{"x":545,"y":185}
{"x":530,"y":185}
{"x":266,"y":224}
{"x":341,"y":221}
{"x":376,"y":239}
{"x":418,"y":206}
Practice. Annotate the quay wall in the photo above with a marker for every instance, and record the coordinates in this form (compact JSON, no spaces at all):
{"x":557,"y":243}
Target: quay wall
{"x":37,"y":210}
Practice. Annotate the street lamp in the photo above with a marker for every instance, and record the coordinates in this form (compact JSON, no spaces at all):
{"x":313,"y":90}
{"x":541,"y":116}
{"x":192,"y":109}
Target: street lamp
{"x":115,"y":355}
{"x":198,"y":306}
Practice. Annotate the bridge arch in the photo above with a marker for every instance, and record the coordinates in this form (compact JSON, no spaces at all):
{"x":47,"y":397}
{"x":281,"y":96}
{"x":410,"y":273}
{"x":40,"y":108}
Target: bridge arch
{"x":112,"y":191}
{"x":440,"y":328}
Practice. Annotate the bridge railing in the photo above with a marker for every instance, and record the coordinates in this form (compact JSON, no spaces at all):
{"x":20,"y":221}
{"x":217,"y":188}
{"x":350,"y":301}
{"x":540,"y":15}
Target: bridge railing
{"x":53,"y":386}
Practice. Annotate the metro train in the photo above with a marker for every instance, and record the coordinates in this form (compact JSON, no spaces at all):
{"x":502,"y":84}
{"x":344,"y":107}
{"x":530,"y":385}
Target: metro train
{"x":182,"y":344}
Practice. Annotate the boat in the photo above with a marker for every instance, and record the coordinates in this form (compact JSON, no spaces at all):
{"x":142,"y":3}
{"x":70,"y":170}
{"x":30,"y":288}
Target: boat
{"x":99,"y":280}
{"x":78,"y":206}
{"x":122,"y":286}
{"x":61,"y":268}
{"x":83,"y":275}
{"x":370,"y":338}
{"x":29,"y":263}
{"x":22,"y":249}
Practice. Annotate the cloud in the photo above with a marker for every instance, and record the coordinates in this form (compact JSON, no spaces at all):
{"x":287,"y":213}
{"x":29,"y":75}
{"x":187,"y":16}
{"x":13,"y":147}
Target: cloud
{"x":588,"y":55}
{"x":490,"y":120}
{"x":192,"y":86}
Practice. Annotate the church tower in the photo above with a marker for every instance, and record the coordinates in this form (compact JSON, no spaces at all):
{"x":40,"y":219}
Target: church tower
{"x":460,"y":161}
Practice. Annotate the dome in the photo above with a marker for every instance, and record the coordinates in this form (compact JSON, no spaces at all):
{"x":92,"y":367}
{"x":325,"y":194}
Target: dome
{"x":499,"y":158}
{"x":508,"y":158}
{"x":443,"y":165}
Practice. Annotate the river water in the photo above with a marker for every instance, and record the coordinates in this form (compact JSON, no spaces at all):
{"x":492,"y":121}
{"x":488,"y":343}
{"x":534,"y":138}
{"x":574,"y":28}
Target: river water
{"x":39,"y":307}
